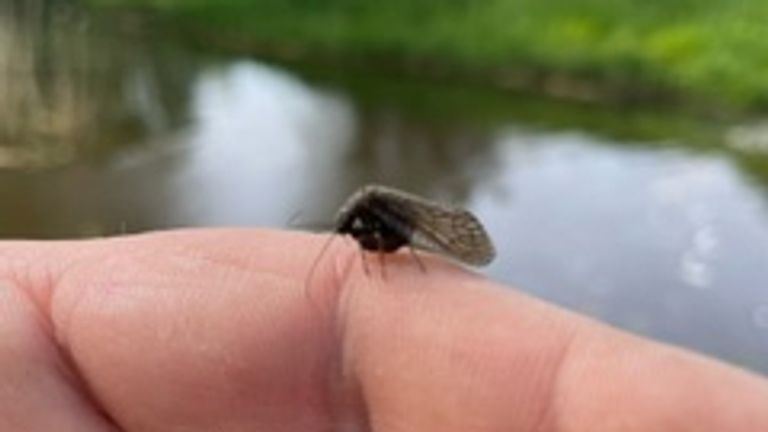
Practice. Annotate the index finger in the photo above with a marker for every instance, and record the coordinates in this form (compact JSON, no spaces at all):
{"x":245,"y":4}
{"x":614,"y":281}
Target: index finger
{"x":212,"y":330}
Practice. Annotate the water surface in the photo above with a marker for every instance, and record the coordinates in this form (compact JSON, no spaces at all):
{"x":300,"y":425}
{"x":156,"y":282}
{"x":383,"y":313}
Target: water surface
{"x":653,"y":222}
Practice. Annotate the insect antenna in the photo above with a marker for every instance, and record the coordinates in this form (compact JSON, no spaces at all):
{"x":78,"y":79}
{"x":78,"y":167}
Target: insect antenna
{"x":293,"y":220}
{"x":297,"y":221}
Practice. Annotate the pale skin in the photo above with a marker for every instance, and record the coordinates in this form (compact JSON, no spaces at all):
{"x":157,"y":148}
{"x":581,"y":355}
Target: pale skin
{"x":220,"y":330}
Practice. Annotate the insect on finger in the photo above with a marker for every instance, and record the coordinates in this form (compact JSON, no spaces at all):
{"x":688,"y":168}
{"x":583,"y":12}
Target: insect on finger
{"x":382,"y":219}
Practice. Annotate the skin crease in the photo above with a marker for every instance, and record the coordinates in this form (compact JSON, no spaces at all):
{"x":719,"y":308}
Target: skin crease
{"x":223,"y":330}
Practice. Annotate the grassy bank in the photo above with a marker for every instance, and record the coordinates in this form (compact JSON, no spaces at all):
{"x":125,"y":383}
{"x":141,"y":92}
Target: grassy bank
{"x":701,"y":51}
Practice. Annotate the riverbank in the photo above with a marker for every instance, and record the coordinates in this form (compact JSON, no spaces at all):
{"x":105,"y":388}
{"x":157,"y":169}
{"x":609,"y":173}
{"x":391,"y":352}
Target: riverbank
{"x":711,"y":56}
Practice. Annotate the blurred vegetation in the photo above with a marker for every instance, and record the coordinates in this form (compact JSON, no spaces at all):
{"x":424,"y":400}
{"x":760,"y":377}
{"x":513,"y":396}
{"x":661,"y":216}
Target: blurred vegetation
{"x":445,"y":105}
{"x":698,"y":51}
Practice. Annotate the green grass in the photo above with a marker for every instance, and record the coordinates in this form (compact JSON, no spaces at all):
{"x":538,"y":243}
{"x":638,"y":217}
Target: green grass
{"x":706,"y":50}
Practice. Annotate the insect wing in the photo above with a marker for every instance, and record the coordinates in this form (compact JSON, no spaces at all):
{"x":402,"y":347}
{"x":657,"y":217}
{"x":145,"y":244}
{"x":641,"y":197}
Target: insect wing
{"x":449,"y":230}
{"x":455,"y":232}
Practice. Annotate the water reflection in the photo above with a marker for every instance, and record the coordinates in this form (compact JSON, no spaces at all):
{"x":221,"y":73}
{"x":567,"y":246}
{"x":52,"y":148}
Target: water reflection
{"x":68,"y":94}
{"x":438,"y":160}
{"x":262,"y":146}
{"x":642,"y":227}
{"x":626,"y":235}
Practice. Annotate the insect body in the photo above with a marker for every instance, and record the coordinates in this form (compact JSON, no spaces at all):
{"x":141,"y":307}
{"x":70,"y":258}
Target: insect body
{"x":383,"y":219}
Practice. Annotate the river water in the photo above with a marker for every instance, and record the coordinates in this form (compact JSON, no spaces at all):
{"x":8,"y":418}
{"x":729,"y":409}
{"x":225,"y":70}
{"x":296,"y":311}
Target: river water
{"x":642,"y":218}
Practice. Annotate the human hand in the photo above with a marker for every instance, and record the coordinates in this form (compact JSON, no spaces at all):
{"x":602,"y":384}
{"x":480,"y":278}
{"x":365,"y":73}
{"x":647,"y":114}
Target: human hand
{"x":220,"y":330}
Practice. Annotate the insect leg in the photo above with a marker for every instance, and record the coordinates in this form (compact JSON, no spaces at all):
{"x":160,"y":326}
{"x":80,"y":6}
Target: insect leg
{"x":314,"y":265}
{"x":380,"y":252}
{"x":365,"y":263}
{"x":382,"y":264}
{"x":422,"y":267}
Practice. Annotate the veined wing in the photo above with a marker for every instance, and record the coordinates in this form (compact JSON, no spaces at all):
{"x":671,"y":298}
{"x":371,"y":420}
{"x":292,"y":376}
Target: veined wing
{"x":445,"y":229}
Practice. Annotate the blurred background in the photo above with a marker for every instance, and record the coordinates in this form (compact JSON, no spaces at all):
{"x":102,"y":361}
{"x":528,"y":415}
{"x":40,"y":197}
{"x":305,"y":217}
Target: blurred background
{"x":617,"y":150}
